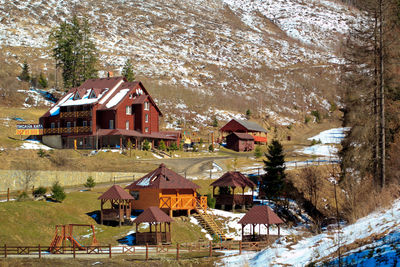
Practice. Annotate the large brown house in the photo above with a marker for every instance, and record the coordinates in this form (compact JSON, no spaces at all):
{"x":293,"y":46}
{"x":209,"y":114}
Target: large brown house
{"x":105,"y":112}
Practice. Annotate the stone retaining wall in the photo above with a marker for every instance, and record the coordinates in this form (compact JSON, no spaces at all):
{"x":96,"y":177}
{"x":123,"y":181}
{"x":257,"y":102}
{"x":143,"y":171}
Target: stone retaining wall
{"x":15,"y":179}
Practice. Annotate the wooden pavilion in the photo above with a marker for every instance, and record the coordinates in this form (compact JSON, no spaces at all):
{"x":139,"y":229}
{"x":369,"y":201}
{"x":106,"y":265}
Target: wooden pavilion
{"x":233,"y":180}
{"x":167,"y":190}
{"x":120,"y":205}
{"x":259,"y":215}
{"x":155,"y":218}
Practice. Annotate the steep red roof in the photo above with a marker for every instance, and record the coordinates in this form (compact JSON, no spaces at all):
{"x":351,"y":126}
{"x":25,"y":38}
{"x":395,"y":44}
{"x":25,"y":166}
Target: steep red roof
{"x":236,"y":125}
{"x":260,"y":215}
{"x":153,"y":215}
{"x":233,"y":179}
{"x":162,"y":178}
{"x":101,"y":82}
{"x":116,"y":192}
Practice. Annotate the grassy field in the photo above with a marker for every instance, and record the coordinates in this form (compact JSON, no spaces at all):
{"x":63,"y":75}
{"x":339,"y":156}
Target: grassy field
{"x":33,"y":222}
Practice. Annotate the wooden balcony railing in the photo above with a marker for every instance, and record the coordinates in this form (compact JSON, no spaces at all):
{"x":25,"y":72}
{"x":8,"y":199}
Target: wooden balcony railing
{"x":76,"y":114}
{"x":75,"y":130}
{"x":181,"y":202}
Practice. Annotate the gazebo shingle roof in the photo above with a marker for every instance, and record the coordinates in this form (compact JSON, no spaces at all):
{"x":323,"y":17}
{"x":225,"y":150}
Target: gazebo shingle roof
{"x":116,"y":192}
{"x":260,"y":215}
{"x":162,"y":178}
{"x":153,"y":215}
{"x":233,"y":179}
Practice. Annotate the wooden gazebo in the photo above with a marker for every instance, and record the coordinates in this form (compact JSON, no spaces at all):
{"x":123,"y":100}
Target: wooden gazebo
{"x":120,"y":202}
{"x":156,"y":235}
{"x":259,"y":215}
{"x":233,"y":180}
{"x":167,"y":190}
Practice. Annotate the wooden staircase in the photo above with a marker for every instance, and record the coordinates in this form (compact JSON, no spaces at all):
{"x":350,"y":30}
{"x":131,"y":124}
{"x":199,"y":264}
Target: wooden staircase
{"x":206,"y":220}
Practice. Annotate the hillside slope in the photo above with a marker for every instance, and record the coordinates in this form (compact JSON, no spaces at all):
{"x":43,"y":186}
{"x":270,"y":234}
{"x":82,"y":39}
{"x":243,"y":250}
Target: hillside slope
{"x":374,"y":239}
{"x":277,"y":58}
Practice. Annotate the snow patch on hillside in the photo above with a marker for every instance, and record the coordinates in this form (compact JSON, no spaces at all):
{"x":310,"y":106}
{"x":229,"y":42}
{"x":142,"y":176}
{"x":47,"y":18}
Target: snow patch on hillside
{"x":307,"y":250}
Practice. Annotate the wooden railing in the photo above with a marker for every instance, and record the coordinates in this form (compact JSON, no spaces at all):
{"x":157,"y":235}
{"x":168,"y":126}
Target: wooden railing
{"x":80,"y":129}
{"x":147,"y":251}
{"x":76,"y":114}
{"x":181,"y":202}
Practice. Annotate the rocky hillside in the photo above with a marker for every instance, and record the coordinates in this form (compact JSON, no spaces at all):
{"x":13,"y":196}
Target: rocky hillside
{"x":278,"y":58}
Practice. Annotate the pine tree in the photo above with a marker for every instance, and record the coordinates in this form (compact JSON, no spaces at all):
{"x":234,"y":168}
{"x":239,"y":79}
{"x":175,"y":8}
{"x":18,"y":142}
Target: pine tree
{"x":90,"y":183}
{"x":248,"y":114}
{"x":146,"y":145}
{"x":74,"y":51}
{"x":127,"y":71}
{"x":215,"y":122}
{"x":57,"y":192}
{"x":162,"y":146}
{"x":274,"y":179}
{"x":24,"y":76}
{"x":42,"y":81}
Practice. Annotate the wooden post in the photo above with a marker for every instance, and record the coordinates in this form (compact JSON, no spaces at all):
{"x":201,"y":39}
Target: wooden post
{"x":5,"y":251}
{"x":240,"y":247}
{"x":147,"y":251}
{"x":8,"y":194}
{"x":177,"y":252}
{"x":210,"y":251}
{"x":109,"y":251}
{"x":40,"y":251}
{"x":73,"y":250}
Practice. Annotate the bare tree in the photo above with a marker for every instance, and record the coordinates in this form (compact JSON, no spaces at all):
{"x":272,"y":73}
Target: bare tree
{"x":312,"y":181}
{"x":27,"y":173}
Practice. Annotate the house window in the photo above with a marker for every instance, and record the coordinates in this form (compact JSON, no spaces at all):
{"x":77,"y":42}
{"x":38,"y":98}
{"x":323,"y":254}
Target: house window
{"x":68,"y":124}
{"x":135,"y":194}
{"x":92,"y":94}
{"x":90,"y":123}
{"x":111,"y":124}
{"x":146,"y":129}
{"x":84,"y":123}
{"x":53,"y":125}
{"x":127,"y":125}
{"x":77,"y":96}
{"x":146,"y":118}
{"x":128,"y":110}
{"x":146,"y":106}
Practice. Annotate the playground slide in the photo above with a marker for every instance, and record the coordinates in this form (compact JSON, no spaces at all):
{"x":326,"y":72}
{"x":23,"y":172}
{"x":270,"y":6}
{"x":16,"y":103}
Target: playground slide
{"x":74,"y":241}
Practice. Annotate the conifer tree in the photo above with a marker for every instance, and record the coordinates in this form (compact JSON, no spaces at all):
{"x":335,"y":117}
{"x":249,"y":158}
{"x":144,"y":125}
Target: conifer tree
{"x":24,"y":76}
{"x":127,"y":71}
{"x":274,"y":179}
{"x":74,"y":51}
{"x":42,"y":81}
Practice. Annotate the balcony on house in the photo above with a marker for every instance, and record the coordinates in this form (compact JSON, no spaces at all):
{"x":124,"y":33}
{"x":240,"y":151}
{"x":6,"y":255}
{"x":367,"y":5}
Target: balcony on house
{"x":82,"y":111}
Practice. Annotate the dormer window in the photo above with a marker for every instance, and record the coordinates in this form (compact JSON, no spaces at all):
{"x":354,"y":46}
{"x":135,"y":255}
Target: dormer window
{"x":92,"y":94}
{"x":77,"y":96}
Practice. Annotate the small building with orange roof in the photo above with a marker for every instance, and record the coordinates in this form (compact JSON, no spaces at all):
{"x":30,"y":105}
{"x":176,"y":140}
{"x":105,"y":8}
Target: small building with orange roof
{"x":167,"y":190}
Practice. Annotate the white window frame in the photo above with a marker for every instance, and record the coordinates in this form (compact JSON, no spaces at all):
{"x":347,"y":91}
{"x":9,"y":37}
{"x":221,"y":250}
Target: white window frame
{"x":146,"y":130}
{"x":128,"y":110}
{"x":146,"y":105}
{"x":111,"y":124}
{"x":127,"y":125}
{"x":146,"y":117}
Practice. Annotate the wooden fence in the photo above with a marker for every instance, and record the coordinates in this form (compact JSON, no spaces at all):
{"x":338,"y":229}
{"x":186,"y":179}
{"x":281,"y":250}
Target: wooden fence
{"x":146,"y":252}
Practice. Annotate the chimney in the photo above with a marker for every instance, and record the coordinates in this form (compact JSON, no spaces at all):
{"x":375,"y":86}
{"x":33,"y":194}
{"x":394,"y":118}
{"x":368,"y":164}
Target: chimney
{"x":110,"y":74}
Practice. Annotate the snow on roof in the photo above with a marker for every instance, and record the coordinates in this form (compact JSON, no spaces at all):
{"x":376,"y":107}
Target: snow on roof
{"x":85,"y":100}
{"x":54,"y":110}
{"x":117,"y":98}
{"x":107,"y":96}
